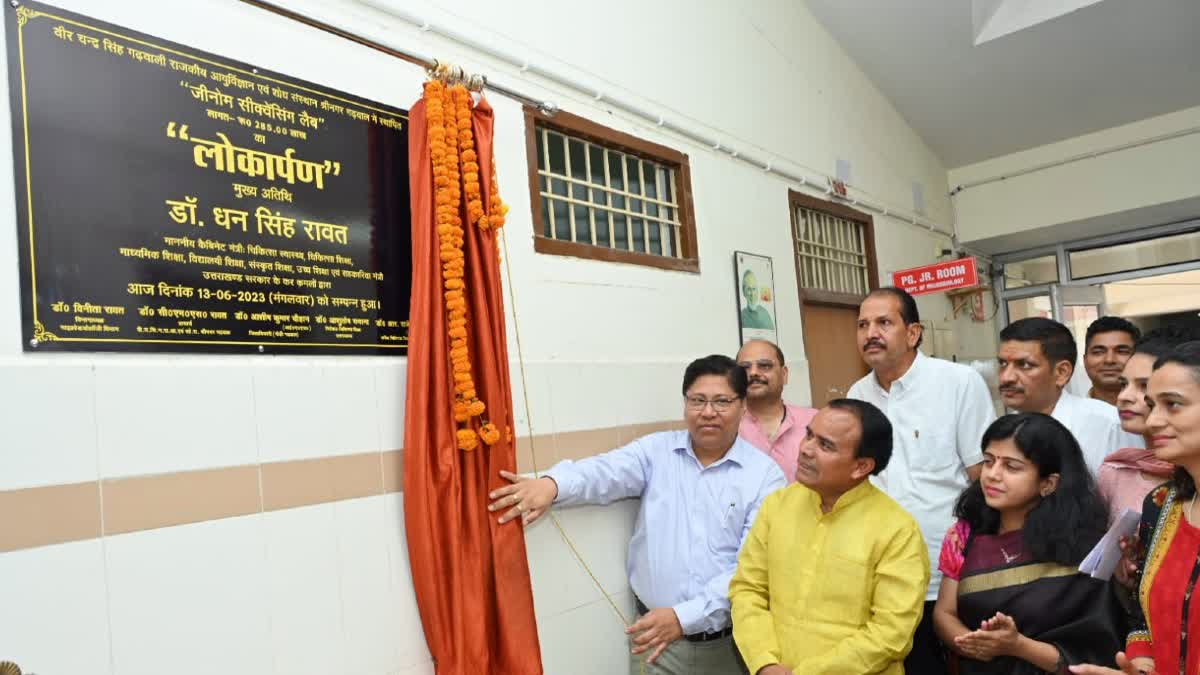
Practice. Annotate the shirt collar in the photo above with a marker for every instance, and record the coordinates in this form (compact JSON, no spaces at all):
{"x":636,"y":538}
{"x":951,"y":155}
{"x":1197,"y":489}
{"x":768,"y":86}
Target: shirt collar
{"x":789,"y":412}
{"x":1065,"y":404}
{"x":848,"y":499}
{"x":736,"y":452}
{"x":908,"y":380}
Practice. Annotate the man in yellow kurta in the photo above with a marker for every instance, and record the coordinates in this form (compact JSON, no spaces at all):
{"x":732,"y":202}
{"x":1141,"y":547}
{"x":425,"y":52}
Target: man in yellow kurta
{"x":831,"y":579}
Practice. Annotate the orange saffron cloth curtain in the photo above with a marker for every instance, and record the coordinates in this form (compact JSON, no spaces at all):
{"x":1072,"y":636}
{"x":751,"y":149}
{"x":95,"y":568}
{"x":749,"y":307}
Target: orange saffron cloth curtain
{"x":470,"y":574}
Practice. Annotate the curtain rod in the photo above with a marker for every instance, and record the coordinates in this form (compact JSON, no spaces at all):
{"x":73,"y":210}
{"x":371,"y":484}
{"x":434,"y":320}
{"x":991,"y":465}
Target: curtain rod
{"x":818,"y":181}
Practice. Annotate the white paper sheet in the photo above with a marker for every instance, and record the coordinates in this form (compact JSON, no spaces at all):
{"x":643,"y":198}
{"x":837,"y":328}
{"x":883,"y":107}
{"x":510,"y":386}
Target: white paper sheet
{"x":1103,"y":558}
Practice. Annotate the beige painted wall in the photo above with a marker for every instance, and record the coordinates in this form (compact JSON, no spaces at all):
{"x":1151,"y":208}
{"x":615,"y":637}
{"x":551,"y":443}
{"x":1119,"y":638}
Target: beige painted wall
{"x":1116,"y":191}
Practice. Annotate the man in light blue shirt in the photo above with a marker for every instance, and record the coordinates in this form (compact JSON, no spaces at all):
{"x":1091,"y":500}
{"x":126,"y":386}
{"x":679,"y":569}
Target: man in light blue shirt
{"x":700,"y":490}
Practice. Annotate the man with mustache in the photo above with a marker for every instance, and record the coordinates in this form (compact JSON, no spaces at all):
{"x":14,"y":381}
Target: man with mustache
{"x":938,"y":411}
{"x":700,"y":490}
{"x":770,"y":423}
{"x":1036,"y":360}
{"x":1109,"y":344}
{"x":832,"y":576}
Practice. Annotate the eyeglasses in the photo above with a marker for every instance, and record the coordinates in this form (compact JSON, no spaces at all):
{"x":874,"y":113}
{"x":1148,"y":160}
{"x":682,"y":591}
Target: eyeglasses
{"x":719,"y":404}
{"x":764,"y":365}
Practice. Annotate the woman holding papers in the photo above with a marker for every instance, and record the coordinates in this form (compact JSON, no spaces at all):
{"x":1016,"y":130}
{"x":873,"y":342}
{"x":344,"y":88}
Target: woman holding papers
{"x":1166,"y":624}
{"x":1129,"y":474}
{"x":1013,"y":600}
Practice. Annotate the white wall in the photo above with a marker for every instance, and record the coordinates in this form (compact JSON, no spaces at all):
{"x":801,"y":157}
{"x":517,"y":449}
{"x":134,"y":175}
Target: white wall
{"x":1137,"y":187}
{"x":325,"y":588}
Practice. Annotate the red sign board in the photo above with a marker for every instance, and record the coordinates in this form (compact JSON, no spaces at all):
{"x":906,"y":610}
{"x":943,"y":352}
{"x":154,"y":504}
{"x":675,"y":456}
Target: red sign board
{"x":938,"y":278}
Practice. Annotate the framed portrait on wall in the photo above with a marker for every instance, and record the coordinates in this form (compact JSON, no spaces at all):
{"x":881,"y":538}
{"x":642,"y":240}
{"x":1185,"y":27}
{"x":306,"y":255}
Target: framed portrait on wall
{"x":755,"y":280}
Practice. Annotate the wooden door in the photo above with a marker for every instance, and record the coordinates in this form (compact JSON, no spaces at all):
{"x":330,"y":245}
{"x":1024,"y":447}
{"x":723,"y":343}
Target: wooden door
{"x":831,"y":347}
{"x":834,"y":248}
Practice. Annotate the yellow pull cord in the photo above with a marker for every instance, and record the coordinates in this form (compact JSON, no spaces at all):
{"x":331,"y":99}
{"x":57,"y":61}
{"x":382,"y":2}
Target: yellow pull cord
{"x":512,"y":292}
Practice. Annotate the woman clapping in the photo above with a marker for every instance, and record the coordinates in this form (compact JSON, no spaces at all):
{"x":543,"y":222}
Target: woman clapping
{"x":1012,"y":599}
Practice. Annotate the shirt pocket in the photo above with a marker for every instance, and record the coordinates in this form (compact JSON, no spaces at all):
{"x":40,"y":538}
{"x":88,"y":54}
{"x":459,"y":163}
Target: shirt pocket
{"x":931,"y":447}
{"x":845,"y":596}
{"x":725,"y":527}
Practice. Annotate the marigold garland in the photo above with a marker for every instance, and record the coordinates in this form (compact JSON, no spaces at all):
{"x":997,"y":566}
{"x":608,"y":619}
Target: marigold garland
{"x":467,"y":439}
{"x":443,"y":134}
{"x":497,"y":209}
{"x":456,"y":177}
{"x":489,"y":433}
{"x":469,"y":165}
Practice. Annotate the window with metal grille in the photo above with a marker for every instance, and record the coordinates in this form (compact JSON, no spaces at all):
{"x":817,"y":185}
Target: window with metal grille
{"x":599,"y":193}
{"x":832,"y":253}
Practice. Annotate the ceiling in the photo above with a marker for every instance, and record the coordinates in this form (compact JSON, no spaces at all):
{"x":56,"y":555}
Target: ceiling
{"x":1105,"y":64}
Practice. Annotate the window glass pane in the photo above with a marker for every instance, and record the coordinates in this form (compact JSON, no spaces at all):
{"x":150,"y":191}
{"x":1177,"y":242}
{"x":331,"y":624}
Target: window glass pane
{"x":1032,"y":272}
{"x":635,"y":205}
{"x":558,"y":160}
{"x":578,"y":160}
{"x":1078,"y":318}
{"x":669,"y":246}
{"x":562,"y":221}
{"x":1023,"y":308}
{"x":579,"y":192}
{"x":668,"y":183}
{"x":651,"y":209}
{"x":650,"y":173}
{"x":596,"y":157}
{"x":802,"y":228}
{"x":545,"y":216}
{"x":631,"y":169}
{"x":620,"y":230}
{"x":638,"y":240}
{"x":558,"y":186}
{"x":1136,"y":255}
{"x":654,"y":230}
{"x":541,"y":149}
{"x":616,"y":178}
{"x":601,"y":227}
{"x":583,"y":227}
{"x":599,"y":197}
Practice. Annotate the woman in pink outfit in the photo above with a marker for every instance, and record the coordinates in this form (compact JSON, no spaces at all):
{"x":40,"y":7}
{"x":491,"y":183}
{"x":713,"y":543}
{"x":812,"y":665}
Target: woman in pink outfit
{"x":1128,"y":475}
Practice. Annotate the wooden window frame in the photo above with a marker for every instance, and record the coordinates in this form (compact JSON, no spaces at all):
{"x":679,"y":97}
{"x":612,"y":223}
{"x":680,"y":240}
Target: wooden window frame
{"x":580,"y":127}
{"x":815,"y":296}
